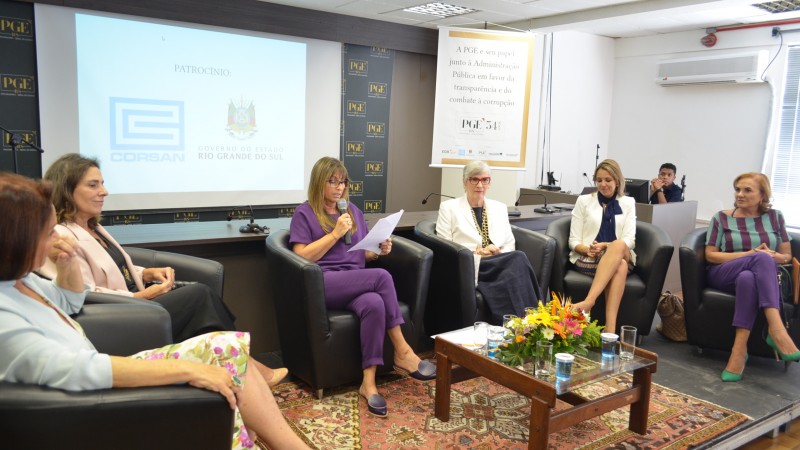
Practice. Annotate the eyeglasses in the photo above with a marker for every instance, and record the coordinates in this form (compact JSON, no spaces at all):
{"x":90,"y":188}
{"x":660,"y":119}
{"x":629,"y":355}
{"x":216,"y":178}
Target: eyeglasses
{"x":337,"y":183}
{"x":485,"y":181}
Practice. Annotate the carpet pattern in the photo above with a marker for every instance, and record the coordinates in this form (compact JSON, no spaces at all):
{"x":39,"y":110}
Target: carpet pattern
{"x":485,"y":415}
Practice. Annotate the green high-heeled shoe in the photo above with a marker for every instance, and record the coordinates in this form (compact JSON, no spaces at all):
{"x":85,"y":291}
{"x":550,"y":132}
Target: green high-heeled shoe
{"x":733,"y":377}
{"x":784,"y":357}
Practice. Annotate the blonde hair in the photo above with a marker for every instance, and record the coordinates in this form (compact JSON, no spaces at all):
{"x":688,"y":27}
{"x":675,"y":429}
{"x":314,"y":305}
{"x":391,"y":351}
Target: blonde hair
{"x":322,"y":171}
{"x":763,"y":183}
{"x":613,"y":169}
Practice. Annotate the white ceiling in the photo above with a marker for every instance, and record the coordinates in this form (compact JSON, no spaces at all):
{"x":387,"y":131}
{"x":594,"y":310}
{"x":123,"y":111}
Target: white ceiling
{"x":612,"y":18}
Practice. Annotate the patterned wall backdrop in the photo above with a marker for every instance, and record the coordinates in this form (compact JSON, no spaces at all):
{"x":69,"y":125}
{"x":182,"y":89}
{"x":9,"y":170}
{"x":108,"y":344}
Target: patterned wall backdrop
{"x":366,"y":85}
{"x":19,"y":103}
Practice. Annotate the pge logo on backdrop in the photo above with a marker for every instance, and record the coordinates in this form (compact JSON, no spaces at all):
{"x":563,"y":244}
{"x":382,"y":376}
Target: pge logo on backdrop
{"x":356,"y":109}
{"x":146,"y":124}
{"x":18,"y":29}
{"x":28,"y":135}
{"x":376,"y":129}
{"x":379,"y":52}
{"x":354,"y":148}
{"x":377,"y":90}
{"x":374,"y":168}
{"x":357,"y":67}
{"x":17,"y":85}
{"x":373,"y":206}
{"x":356,"y":188}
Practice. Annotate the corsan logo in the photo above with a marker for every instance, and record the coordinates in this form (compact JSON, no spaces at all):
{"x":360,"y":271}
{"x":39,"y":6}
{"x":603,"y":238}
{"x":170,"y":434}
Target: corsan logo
{"x":13,"y":28}
{"x":373,"y":205}
{"x":356,"y":188}
{"x":356,"y":109}
{"x":376,"y":129}
{"x":357,"y":67}
{"x":374,"y":168}
{"x":27,"y":135}
{"x":377,"y":90}
{"x":354,"y":148}
{"x":18,"y":85}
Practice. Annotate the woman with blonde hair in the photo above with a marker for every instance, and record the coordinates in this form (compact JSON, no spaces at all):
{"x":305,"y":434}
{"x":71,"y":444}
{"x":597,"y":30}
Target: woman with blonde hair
{"x":602,"y":236}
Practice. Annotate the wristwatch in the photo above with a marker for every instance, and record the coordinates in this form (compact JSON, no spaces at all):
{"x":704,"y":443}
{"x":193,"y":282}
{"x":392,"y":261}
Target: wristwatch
{"x":661,"y":190}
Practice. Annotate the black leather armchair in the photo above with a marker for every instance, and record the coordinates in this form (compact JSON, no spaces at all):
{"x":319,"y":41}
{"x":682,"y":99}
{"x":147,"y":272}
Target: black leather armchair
{"x":187,"y":268}
{"x":175,"y":417}
{"x":642,"y":288}
{"x":321,"y":346}
{"x":709,"y":312}
{"x":453,"y":300}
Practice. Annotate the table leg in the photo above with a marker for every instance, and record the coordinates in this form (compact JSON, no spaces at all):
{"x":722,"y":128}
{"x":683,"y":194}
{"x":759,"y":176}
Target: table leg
{"x":443,"y":380}
{"x":640,"y":409}
{"x":539,"y":431}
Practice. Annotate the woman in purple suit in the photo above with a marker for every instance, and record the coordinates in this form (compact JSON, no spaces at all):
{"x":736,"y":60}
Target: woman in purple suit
{"x":317,"y":233}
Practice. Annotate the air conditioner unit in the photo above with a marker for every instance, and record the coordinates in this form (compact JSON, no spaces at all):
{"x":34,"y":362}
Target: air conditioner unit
{"x":728,"y":68}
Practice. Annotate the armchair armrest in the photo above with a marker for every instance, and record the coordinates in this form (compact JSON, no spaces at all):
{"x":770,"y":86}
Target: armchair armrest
{"x":187,"y":268}
{"x":452,"y":302}
{"x":35,"y":417}
{"x":541,"y":251}
{"x":410,"y":266}
{"x":654,"y":251}
{"x":124,"y":329}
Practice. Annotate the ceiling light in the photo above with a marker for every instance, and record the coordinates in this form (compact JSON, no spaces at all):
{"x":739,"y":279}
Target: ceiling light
{"x":780,"y":6}
{"x":440,"y":9}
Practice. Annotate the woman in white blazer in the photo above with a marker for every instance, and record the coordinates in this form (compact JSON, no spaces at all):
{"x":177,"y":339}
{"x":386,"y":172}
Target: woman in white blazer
{"x":504,"y":276}
{"x":602,"y":237}
{"x":78,"y":196}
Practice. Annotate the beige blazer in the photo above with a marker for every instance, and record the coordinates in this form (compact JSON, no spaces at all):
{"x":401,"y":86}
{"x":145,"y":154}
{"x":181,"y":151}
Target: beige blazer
{"x":98,"y":269}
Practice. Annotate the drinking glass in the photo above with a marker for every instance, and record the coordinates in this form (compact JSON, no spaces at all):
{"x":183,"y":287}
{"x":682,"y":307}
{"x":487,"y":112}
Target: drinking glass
{"x":564,"y":366}
{"x":627,"y":342}
{"x":480,"y":336}
{"x":544,"y":359}
{"x":609,"y":344}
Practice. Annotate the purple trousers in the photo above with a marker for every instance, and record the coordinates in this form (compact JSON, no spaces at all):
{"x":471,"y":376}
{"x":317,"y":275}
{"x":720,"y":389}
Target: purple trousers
{"x":753,"y":279}
{"x":370,"y":294}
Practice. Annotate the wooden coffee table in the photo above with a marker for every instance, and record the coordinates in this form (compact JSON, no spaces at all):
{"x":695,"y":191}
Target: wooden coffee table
{"x":543,"y":393}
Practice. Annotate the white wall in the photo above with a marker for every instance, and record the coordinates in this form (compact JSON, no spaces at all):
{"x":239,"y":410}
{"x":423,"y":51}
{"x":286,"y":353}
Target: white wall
{"x":711,"y":132}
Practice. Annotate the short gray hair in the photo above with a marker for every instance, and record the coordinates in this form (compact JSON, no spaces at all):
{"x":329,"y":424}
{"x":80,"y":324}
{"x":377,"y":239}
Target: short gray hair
{"x":476,"y":167}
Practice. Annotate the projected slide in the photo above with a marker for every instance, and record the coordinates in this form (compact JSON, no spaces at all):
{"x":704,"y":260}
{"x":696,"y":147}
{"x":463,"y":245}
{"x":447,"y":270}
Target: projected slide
{"x":196,"y":110}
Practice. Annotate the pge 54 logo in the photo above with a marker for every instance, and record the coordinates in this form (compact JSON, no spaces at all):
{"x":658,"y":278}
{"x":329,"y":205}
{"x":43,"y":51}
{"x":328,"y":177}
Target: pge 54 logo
{"x":357,"y":67}
{"x":356,"y":109}
{"x":377,"y":90}
{"x":376,"y":129}
{"x":13,"y":28}
{"x":354,"y":148}
{"x":356,"y":188}
{"x":17,"y":85}
{"x":371,"y":206}
{"x":27,"y":135}
{"x":374,"y":168}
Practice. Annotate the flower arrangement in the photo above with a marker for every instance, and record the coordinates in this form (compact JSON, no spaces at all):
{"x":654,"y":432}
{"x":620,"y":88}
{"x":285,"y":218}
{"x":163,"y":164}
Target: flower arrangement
{"x":570,"y":331}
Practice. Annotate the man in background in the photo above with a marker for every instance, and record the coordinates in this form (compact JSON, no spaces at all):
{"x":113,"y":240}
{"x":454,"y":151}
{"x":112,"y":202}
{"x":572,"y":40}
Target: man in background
{"x":663,"y":188}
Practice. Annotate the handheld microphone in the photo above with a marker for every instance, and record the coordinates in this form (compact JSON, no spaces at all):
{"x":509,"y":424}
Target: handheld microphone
{"x":588,"y":179}
{"x":342,"y":205}
{"x":544,"y":209}
{"x":425,"y":200}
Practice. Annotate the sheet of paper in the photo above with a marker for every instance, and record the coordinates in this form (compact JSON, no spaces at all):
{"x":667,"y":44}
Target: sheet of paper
{"x":462,"y":337}
{"x":379,"y":233}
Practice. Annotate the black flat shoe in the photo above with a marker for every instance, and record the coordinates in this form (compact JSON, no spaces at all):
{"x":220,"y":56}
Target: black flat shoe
{"x":426,"y":370}
{"x":376,"y":405}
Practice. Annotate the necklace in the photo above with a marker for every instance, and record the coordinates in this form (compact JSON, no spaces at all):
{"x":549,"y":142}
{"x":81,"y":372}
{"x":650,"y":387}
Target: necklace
{"x":483,"y":227}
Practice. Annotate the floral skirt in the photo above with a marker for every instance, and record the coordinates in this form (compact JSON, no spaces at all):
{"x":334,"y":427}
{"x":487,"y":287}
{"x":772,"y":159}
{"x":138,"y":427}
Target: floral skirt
{"x":228,"y":349}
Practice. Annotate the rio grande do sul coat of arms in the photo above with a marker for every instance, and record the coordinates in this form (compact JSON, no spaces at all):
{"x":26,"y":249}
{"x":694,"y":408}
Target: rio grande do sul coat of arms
{"x":241,"y":120}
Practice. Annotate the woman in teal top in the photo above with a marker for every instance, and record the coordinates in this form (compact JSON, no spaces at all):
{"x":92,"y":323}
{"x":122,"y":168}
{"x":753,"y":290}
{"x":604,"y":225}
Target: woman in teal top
{"x":744,"y":246}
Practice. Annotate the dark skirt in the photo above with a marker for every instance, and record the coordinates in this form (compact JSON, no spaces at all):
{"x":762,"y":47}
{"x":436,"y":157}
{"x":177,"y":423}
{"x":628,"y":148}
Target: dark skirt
{"x":194,"y":310}
{"x":508,"y":284}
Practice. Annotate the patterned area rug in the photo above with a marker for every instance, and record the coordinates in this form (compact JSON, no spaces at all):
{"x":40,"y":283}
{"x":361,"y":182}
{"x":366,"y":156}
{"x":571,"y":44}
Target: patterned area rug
{"x":485,"y":415}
